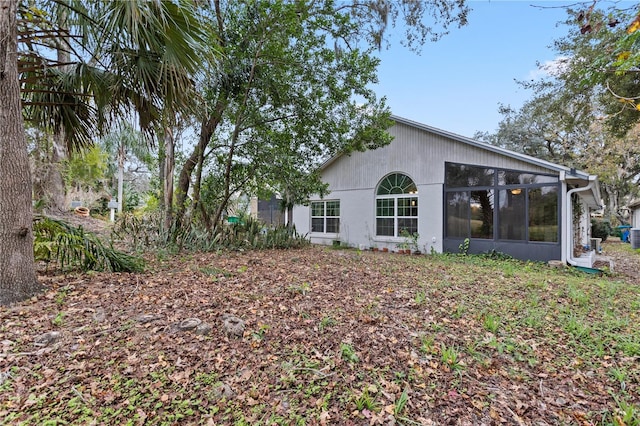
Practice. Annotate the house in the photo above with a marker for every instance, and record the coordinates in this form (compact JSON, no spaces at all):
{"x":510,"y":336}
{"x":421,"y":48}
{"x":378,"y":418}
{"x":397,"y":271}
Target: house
{"x":453,"y":192}
{"x":634,"y":232}
{"x":634,"y":208}
{"x":269,"y":211}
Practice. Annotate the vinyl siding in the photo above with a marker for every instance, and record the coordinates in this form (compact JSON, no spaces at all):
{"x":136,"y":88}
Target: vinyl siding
{"x":419,"y":154}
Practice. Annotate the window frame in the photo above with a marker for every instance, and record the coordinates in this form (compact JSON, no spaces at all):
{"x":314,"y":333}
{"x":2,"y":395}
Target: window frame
{"x":324,"y":216}
{"x":411,"y":195}
{"x":500,"y":186}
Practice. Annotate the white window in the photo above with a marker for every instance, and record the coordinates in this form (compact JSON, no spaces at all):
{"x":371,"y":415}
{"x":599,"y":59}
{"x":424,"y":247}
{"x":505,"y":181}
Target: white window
{"x":396,"y":206}
{"x":325,"y":216}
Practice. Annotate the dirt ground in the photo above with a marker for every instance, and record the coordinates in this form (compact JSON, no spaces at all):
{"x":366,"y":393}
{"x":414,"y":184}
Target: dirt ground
{"x":624,"y":261}
{"x":97,"y":226}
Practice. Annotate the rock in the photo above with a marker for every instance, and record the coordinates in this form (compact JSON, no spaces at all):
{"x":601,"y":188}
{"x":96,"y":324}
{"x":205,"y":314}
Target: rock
{"x":224,"y":391}
{"x":203,"y":329}
{"x":99,"y":315}
{"x":233,"y":325}
{"x":4,"y":376}
{"x":47,"y":338}
{"x":189,"y":324}
{"x":145,"y":318}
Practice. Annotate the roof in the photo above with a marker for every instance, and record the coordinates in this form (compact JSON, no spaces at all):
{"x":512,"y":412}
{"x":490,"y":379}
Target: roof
{"x":572,"y":175}
{"x":482,"y":145}
{"x":496,"y":149}
{"x":634,"y":204}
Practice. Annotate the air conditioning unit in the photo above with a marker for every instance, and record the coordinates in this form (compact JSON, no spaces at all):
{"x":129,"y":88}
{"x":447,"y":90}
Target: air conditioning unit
{"x":596,"y":244}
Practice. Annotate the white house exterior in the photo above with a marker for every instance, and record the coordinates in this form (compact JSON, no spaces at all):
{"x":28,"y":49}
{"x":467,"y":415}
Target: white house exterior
{"x":634,"y":208}
{"x":447,"y":188}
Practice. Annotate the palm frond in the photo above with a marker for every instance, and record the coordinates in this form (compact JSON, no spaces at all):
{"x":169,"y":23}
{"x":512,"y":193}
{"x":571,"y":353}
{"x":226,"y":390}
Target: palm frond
{"x":74,"y":248}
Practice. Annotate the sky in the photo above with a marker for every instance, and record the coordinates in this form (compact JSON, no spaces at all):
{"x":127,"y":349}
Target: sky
{"x":457,"y":83}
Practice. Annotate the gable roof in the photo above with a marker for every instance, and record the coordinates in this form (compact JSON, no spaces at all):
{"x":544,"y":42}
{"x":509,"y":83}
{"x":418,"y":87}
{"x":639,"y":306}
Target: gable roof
{"x":571,"y":175}
{"x":577,"y":174}
{"x":493,"y":148}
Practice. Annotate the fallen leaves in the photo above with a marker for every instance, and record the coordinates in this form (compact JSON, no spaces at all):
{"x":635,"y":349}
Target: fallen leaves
{"x":129,"y":345}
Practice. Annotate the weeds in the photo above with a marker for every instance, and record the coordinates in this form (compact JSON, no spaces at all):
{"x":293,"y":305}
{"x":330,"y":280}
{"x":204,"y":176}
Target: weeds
{"x":365,"y":401}
{"x":450,"y":357}
{"x":326,"y":322}
{"x":302,"y":289}
{"x":59,"y":319}
{"x":348,"y":353}
{"x":491,"y":323}
{"x":401,"y":403}
{"x":427,"y":344}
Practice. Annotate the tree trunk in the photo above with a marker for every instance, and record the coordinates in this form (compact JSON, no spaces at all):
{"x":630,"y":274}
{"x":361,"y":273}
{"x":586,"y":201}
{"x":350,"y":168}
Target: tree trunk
{"x":197,"y":185}
{"x":169,"y":166}
{"x":121,"y":158}
{"x":54,"y":189}
{"x":17,"y":273}
{"x":54,"y":192}
{"x":207,"y":128}
{"x":161,"y":174}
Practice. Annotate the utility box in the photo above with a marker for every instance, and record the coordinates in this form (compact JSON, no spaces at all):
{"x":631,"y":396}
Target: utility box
{"x":634,"y":236}
{"x":596,"y":244}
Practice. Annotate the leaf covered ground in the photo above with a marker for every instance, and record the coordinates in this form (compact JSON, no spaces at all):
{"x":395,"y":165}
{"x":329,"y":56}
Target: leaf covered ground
{"x":330,"y":337}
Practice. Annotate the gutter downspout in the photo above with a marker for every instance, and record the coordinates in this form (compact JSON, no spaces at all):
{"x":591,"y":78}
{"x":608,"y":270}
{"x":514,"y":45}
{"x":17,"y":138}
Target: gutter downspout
{"x":569,"y":224}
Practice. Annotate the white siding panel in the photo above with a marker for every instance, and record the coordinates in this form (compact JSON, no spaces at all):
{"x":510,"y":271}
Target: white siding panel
{"x":417,"y":153}
{"x":302,"y":219}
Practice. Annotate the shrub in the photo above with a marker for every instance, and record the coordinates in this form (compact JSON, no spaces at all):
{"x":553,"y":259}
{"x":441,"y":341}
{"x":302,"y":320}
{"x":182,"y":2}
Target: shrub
{"x":600,"y":229}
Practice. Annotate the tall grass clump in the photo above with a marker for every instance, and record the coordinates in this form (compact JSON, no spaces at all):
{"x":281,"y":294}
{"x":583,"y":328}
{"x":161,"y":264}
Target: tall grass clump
{"x":149,"y":232}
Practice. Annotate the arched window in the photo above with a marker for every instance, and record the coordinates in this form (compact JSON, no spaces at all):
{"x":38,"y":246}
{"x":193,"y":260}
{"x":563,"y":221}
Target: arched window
{"x":396,"y":206}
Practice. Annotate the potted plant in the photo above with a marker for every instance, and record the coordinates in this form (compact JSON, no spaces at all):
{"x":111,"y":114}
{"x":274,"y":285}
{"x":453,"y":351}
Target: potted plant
{"x":410,"y":243}
{"x":403,"y":247}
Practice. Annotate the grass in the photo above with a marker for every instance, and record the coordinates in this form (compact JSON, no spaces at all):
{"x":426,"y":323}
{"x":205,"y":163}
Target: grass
{"x":377,"y":339}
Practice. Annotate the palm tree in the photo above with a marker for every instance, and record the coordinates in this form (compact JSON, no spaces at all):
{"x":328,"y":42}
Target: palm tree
{"x":17,"y":275}
{"x":124,"y":58}
{"x":133,"y":57}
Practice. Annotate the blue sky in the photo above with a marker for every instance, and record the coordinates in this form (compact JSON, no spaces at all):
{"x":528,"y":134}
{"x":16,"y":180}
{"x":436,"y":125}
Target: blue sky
{"x":457,"y":83}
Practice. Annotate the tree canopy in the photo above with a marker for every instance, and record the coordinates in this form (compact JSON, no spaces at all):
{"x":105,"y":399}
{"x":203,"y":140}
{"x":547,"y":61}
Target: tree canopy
{"x":584,"y":114}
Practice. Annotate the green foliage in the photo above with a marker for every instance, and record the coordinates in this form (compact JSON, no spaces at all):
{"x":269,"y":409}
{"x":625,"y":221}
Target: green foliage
{"x":464,"y":247}
{"x":141,"y":232}
{"x":491,"y":323}
{"x":147,"y":231}
{"x":420,"y":297}
{"x":497,"y":255}
{"x":365,"y":401}
{"x":600,"y":229}
{"x":348,"y":353}
{"x":86,"y":168}
{"x":74,"y":248}
{"x":410,"y":240}
{"x":401,"y":403}
{"x":252,"y":233}
{"x":450,"y":356}
{"x":326,"y":322}
{"x":427,"y":344}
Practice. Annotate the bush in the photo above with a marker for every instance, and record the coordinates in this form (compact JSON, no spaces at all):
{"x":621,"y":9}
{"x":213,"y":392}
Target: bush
{"x":600,"y":229}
